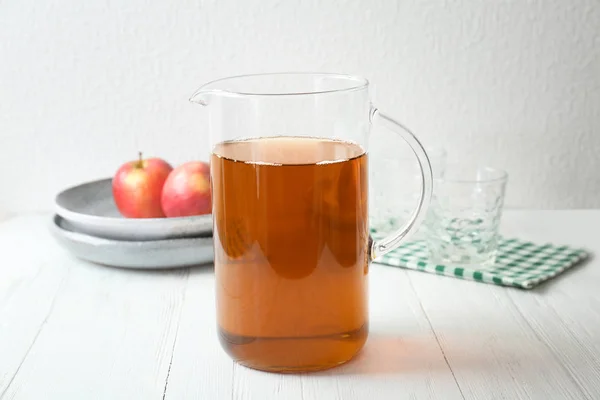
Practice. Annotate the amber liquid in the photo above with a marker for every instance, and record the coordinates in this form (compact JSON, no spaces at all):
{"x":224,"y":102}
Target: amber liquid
{"x":291,"y":239}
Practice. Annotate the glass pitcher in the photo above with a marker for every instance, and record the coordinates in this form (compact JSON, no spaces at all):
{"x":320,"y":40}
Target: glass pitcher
{"x":291,"y":227}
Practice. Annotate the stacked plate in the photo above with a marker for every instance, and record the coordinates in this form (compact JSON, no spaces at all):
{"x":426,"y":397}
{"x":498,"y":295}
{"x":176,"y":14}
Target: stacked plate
{"x":88,"y":224}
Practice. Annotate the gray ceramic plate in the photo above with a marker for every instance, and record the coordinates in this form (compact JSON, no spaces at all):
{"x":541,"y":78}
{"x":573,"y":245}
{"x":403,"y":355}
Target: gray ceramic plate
{"x":149,"y":254}
{"x":90,"y":209}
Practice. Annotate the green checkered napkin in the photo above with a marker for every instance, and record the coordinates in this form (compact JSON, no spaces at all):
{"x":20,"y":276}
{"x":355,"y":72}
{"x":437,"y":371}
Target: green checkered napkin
{"x":518,"y":263}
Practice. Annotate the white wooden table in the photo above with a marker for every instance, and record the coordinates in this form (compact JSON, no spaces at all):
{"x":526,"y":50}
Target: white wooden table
{"x":74,"y":330}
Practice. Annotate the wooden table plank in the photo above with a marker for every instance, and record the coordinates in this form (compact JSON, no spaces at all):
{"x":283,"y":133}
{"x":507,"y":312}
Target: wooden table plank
{"x":110,"y":334}
{"x":570,"y":328}
{"x":199,"y":369}
{"x":28,"y":290}
{"x":490,"y":347}
{"x":251,"y":384}
{"x":70,"y":329}
{"x":565,"y":313}
{"x":512,"y":343}
{"x":402,"y":358}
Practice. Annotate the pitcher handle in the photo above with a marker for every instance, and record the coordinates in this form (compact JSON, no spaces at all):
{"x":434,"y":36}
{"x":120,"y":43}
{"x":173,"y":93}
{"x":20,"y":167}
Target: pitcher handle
{"x":390,"y":242}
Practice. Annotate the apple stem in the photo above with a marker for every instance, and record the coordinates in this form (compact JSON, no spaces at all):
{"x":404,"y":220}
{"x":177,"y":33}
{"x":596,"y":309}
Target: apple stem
{"x":140,"y":162}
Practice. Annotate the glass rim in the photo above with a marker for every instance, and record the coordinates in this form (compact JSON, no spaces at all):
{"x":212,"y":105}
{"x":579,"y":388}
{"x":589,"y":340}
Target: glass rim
{"x":360,"y":83}
{"x":498,"y":176}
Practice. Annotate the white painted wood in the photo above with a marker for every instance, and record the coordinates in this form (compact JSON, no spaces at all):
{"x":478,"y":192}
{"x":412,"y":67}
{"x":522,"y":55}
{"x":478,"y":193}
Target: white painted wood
{"x":397,"y":345}
{"x":402,"y":358}
{"x":509,"y":343}
{"x":72,"y":330}
{"x":28,"y":289}
{"x":565,"y":314}
{"x":200,"y":369}
{"x":489,"y":346}
{"x":109,"y":334}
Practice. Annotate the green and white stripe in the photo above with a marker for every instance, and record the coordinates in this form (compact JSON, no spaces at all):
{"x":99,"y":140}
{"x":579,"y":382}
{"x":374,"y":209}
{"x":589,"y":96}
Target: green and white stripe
{"x":518,"y":263}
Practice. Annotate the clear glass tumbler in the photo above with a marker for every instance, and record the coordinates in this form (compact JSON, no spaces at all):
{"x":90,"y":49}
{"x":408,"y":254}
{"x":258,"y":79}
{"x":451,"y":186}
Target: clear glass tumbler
{"x":464,"y":217}
{"x":393,"y":200}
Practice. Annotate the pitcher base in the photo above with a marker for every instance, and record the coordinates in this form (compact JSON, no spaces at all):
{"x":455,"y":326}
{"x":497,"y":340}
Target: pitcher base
{"x":294,"y":354}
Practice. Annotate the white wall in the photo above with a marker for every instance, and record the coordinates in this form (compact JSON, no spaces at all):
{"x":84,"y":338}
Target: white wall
{"x":514,"y":84}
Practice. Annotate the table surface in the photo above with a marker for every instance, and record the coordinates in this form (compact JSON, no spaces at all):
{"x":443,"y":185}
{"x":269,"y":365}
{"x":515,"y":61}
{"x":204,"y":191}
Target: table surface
{"x":74,"y":330}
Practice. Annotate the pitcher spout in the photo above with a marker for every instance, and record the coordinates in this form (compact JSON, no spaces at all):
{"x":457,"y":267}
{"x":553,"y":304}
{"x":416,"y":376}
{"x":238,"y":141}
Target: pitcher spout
{"x":201,"y":96}
{"x":210,"y":90}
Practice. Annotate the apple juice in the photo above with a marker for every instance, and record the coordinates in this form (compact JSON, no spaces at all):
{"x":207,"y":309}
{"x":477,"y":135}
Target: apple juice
{"x":291,"y":258}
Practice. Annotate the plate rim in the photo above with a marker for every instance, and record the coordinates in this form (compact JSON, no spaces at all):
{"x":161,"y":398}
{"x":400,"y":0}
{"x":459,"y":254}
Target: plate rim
{"x":100,"y":241}
{"x":81,"y":217}
{"x":96,"y":250}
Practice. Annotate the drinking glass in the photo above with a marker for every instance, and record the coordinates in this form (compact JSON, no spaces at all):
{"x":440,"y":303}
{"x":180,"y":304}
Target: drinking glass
{"x":464,"y":217}
{"x":393,"y":200}
{"x":289,"y":176}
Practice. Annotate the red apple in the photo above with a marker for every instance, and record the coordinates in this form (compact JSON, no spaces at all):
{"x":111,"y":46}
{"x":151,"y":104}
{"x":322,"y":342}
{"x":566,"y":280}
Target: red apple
{"x":137,"y":187}
{"x":187,"y":190}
